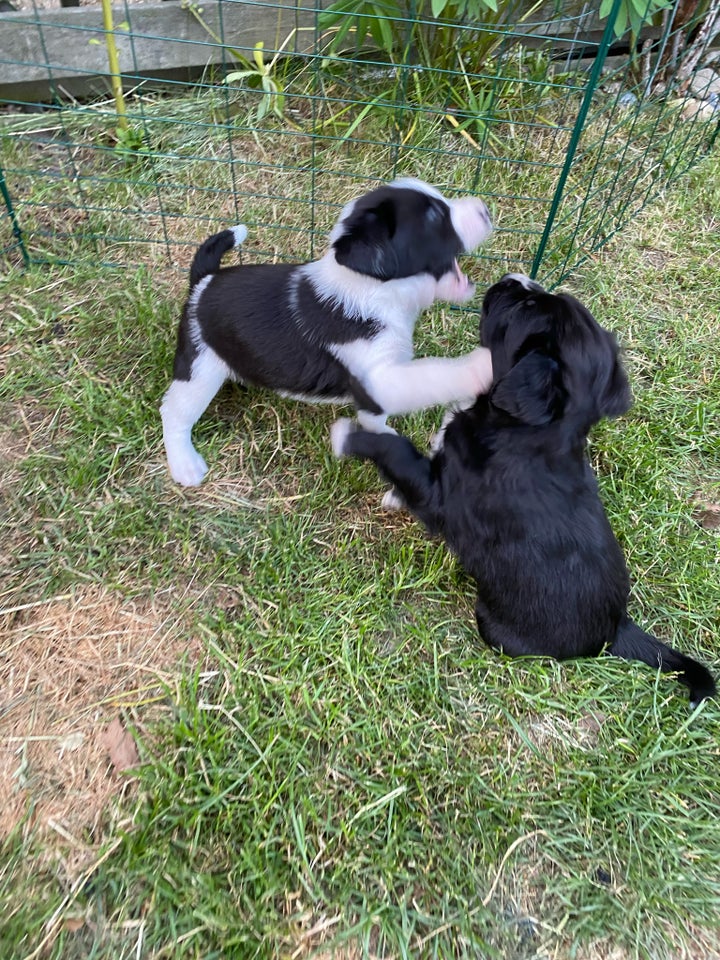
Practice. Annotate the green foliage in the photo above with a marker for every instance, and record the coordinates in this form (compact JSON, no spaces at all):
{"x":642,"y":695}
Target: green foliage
{"x":452,"y":43}
{"x":261,"y":75}
{"x":633,"y":14}
{"x":256,"y":74}
{"x":350,"y":766}
{"x":395,"y":27}
{"x":131,"y":144}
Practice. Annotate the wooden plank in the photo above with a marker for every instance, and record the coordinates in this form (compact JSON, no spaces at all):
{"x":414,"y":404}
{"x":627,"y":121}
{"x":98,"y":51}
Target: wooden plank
{"x":63,"y":44}
{"x":162,"y":42}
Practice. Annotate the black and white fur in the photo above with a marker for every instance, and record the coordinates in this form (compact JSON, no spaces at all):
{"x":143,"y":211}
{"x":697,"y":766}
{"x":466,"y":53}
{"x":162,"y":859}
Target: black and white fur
{"x":337,"y":329}
{"x":513,"y":493}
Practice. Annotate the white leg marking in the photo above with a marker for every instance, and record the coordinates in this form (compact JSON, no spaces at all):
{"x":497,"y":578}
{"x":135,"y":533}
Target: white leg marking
{"x":183,"y":405}
{"x":454,"y":287}
{"x":393,"y":500}
{"x":239,"y":233}
{"x":374,"y":422}
{"x":437,"y":441}
{"x":339,"y":432}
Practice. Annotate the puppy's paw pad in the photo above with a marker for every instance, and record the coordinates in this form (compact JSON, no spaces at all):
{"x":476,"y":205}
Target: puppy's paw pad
{"x":190,"y":471}
{"x":393,"y":500}
{"x":339,"y":432}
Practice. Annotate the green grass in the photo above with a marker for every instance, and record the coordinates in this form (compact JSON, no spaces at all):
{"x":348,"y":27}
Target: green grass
{"x":348,"y":767}
{"x":207,"y":159}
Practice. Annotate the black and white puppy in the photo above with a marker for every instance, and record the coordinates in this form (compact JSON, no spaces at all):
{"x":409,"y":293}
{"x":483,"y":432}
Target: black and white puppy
{"x":513,"y":493}
{"x":338,"y":329}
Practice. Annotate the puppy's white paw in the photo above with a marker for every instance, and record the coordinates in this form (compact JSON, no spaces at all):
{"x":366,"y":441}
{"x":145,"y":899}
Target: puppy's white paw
{"x":188,"y":470}
{"x":437,"y":441}
{"x":393,"y":500}
{"x":339,"y":432}
{"x":481,"y":363}
{"x":454,"y":286}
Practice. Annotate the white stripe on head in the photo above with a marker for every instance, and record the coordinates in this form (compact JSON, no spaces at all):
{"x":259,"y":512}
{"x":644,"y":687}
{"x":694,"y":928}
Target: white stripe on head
{"x":524,"y":281}
{"x":339,"y":229}
{"x":402,"y":183}
{"x":412,"y":183}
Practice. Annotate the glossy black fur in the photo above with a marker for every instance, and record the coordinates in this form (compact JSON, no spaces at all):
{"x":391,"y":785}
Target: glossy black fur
{"x":513,"y":494}
{"x":267,"y":349}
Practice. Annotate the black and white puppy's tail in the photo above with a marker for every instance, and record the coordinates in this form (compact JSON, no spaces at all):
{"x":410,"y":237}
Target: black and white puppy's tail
{"x":632,"y":643}
{"x":210,"y":253}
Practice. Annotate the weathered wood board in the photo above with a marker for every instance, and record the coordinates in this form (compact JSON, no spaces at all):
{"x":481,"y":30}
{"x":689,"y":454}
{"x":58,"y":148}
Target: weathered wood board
{"x":66,"y":46}
{"x":63,"y":49}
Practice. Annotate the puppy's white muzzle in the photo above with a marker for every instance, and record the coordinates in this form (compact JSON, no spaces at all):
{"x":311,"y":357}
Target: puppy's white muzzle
{"x":471,"y":220}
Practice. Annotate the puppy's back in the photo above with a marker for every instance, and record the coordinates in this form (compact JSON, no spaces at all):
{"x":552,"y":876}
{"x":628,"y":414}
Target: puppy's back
{"x":523,"y":515}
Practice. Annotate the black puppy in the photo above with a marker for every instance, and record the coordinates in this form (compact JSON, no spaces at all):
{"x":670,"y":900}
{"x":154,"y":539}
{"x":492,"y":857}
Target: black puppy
{"x":513,"y":494}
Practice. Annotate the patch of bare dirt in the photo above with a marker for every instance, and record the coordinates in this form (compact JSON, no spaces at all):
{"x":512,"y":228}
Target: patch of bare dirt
{"x":78,"y":675}
{"x":580,"y":733}
{"x":707,"y":510}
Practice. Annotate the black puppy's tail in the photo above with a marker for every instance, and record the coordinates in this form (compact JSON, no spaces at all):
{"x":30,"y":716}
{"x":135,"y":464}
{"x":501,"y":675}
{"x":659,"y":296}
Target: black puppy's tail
{"x":632,"y":643}
{"x":210,"y":253}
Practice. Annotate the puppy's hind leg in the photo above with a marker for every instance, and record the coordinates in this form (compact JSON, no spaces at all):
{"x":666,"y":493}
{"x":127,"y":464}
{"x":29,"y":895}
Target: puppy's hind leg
{"x":183,"y":405}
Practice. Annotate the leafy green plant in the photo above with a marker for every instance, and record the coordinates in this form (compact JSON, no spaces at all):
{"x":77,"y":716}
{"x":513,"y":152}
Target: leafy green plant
{"x":476,"y":104}
{"x":130,"y":143}
{"x":256,"y":74}
{"x":400,"y":28}
{"x":434,"y":36}
{"x":260,"y":75}
{"x":633,"y":14}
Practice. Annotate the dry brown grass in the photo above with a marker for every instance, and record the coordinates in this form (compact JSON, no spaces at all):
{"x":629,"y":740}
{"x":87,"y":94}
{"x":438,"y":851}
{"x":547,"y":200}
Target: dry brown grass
{"x":69,"y":666}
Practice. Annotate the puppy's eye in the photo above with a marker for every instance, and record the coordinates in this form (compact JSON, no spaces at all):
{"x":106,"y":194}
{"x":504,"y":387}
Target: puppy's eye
{"x":434,"y":213}
{"x":530,"y":302}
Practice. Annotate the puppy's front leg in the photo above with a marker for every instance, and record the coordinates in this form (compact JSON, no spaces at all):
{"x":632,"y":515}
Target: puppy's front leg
{"x":430,"y":381}
{"x":399,"y":461}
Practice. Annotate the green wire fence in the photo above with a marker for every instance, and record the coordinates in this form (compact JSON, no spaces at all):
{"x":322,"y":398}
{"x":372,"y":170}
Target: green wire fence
{"x":130,"y":134}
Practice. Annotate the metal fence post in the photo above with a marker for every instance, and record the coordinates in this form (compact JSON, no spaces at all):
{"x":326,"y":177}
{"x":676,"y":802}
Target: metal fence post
{"x":576,"y":134}
{"x":15,"y":224}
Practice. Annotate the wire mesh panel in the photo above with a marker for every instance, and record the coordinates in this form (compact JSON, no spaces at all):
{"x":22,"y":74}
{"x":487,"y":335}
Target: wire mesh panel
{"x":162,"y":122}
{"x":649,"y":117}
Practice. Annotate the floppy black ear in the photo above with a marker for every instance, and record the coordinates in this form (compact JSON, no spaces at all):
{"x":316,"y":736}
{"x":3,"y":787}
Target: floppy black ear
{"x":531,"y":391}
{"x":616,"y":397}
{"x":365,"y":246}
